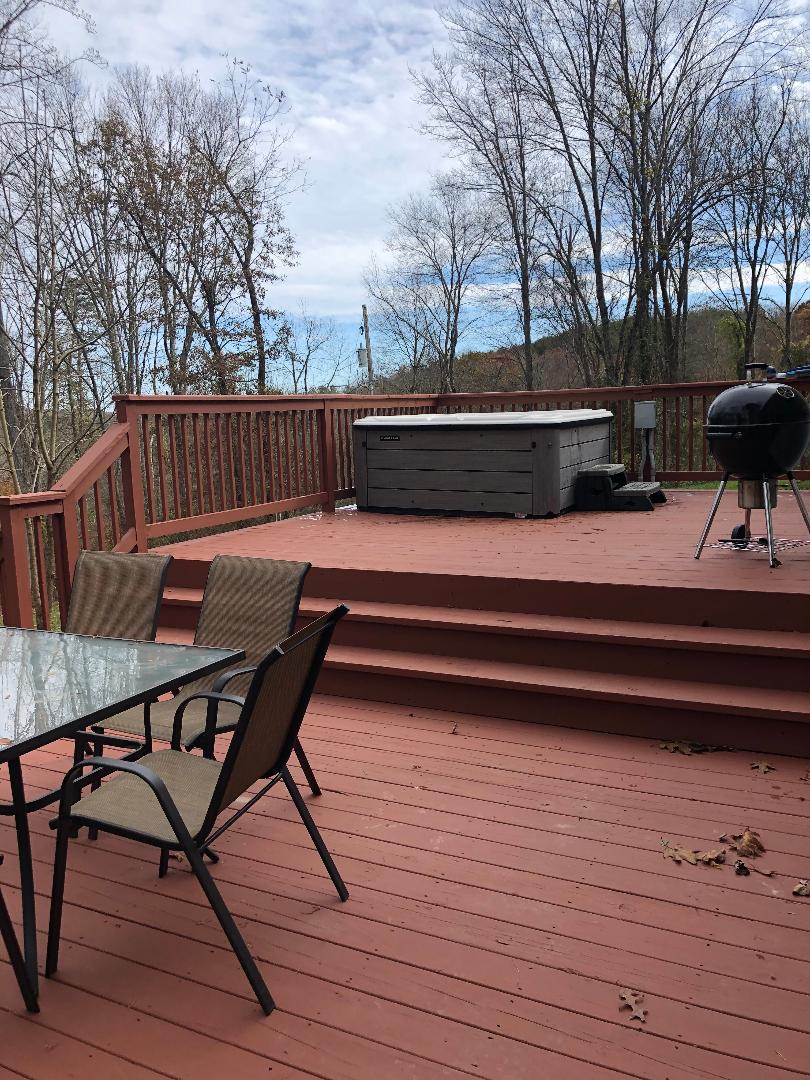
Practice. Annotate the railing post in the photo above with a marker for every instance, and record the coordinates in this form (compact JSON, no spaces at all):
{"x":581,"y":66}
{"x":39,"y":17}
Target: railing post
{"x":326,"y":446}
{"x":15,"y":580}
{"x":131,"y":479}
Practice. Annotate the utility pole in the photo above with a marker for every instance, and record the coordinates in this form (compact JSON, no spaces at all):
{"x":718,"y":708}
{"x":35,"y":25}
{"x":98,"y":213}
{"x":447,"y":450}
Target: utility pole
{"x":368,"y":350}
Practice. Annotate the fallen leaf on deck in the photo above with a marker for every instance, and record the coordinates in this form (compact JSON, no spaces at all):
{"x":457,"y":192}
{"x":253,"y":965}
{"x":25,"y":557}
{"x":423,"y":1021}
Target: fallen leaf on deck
{"x":690,"y":748}
{"x":747,"y":844}
{"x":806,"y":777}
{"x":689,"y":855}
{"x":632,"y":1001}
{"x":711,"y":858}
{"x":679,"y":854}
{"x":762,"y":767}
{"x":802,"y":889}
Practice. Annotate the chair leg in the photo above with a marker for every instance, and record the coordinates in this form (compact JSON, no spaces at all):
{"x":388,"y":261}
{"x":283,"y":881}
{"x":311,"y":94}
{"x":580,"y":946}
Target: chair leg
{"x":306,"y":768}
{"x":163,"y":865}
{"x":235,"y":939}
{"x":315,"y":836}
{"x":57,"y":897}
{"x":16,"y":957}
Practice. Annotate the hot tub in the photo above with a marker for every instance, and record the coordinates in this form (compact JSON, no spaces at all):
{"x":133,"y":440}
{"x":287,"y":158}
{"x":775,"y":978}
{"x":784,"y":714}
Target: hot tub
{"x":522,"y":463}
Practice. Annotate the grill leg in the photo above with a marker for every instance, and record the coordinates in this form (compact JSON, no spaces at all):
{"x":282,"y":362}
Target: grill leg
{"x":712,"y":514}
{"x":799,"y":499}
{"x":766,"y":495}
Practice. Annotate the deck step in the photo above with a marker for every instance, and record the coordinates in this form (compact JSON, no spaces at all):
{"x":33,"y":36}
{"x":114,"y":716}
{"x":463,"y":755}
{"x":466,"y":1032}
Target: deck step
{"x":740,"y":716}
{"x":662,"y":650}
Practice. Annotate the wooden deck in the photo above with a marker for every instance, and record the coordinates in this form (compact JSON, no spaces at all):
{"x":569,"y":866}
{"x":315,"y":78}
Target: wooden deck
{"x":493,"y":558}
{"x":600,"y":620}
{"x":506,"y":881}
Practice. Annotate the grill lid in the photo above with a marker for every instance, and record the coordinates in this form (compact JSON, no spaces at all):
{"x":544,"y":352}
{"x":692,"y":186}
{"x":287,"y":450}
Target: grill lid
{"x":757,"y":403}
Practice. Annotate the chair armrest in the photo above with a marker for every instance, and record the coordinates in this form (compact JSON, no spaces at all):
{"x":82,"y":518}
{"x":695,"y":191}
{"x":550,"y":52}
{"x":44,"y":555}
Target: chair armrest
{"x":223,"y":680}
{"x":213,"y":700}
{"x":104,"y":765}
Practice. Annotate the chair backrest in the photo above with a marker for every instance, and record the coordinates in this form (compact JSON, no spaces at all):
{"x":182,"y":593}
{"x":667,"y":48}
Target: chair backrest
{"x":117,"y":595}
{"x":274,"y":708}
{"x":248,"y":604}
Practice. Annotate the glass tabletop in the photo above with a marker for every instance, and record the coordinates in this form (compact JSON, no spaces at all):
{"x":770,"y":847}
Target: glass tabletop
{"x":53,"y":684}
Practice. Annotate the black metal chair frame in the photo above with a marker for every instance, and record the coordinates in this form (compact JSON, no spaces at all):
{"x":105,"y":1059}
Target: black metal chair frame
{"x":194,"y":847}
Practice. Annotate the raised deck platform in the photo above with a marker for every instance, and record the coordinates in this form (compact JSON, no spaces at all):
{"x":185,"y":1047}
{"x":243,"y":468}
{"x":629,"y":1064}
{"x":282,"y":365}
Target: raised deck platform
{"x":600,"y":620}
{"x":506,"y":882}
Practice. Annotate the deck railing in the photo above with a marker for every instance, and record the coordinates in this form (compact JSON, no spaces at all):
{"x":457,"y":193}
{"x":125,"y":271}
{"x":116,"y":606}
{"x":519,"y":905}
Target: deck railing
{"x":170,"y":465}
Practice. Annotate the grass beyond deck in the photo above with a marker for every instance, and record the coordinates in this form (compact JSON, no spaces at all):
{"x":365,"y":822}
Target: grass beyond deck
{"x":506,"y":881}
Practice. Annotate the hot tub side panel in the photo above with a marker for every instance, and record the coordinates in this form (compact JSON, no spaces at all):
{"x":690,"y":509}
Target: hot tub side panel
{"x":464,"y":469}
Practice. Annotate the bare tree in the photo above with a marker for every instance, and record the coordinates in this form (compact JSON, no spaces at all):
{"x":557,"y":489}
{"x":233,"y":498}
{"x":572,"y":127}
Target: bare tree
{"x":440,"y":243}
{"x":481,"y":109}
{"x":313,"y":354}
{"x":745,"y":223}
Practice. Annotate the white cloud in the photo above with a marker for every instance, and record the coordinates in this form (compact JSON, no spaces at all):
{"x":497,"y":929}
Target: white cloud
{"x":344,"y":67}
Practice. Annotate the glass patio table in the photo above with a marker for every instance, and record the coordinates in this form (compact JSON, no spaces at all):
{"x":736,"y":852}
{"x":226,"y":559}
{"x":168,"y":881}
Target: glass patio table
{"x":54,"y":685}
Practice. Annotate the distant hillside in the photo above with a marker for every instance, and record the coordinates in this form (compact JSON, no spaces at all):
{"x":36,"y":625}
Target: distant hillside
{"x":712,"y":352}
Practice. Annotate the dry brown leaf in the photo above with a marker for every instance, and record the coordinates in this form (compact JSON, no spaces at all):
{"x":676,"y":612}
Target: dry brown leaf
{"x":631,"y":1000}
{"x":711,"y":858}
{"x":690,"y":748}
{"x":680,"y":854}
{"x":676,"y":747}
{"x":802,"y":889}
{"x":747,"y":844}
{"x":762,"y":767}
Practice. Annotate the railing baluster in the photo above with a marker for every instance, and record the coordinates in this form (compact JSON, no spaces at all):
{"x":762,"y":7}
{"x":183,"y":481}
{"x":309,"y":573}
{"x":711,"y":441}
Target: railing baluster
{"x":186,"y":467}
{"x":172,"y":437}
{"x":677,"y":403}
{"x":287,"y":463}
{"x":251,"y":449}
{"x":102,"y":539}
{"x":147,"y":467}
{"x":116,"y":532}
{"x":260,"y":428}
{"x":230,"y":427}
{"x":240,"y":439}
{"x":705,"y":408}
{"x":278,"y":484}
{"x":85,"y":532}
{"x":195,"y":434}
{"x":223,"y":498}
{"x":664,"y":433}
{"x":209,"y":462}
{"x":691,"y":434}
{"x":272,"y":443}
{"x":42,"y":575}
{"x":296,"y":419}
{"x":161,"y":464}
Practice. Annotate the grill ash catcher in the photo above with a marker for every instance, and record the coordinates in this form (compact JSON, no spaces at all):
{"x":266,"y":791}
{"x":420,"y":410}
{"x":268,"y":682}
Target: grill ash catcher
{"x":757,"y":433}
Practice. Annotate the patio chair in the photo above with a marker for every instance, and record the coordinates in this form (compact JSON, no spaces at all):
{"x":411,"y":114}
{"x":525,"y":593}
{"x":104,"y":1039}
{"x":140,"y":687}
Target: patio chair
{"x":249,"y":604}
{"x":16,"y":957}
{"x":172,"y":800}
{"x":117,"y":595}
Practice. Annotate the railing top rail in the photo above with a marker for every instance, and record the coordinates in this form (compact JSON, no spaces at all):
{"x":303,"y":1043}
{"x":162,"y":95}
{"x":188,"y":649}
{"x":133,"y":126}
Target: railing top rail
{"x":190,"y":402}
{"x":94,"y":461}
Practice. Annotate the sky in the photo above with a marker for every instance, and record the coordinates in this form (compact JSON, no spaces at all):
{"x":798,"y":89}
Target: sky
{"x":345,"y":69}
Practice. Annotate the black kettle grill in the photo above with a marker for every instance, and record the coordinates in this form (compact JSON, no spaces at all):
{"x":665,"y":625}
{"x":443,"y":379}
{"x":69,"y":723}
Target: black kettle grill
{"x":757,"y":432}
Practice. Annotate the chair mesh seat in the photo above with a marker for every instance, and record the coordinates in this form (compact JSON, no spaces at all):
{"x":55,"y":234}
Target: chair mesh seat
{"x":161,"y":719}
{"x":126,"y":802}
